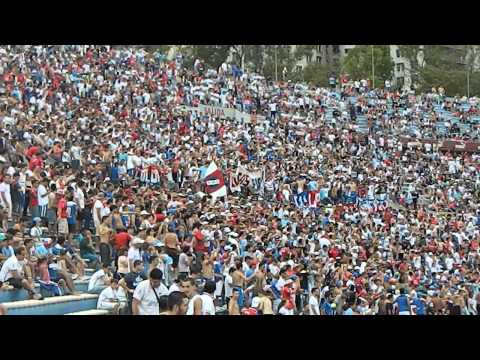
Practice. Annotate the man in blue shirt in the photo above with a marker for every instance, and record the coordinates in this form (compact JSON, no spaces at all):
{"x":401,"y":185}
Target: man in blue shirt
{"x":114,"y":174}
{"x":418,"y":304}
{"x":71,"y":215}
{"x":402,"y":303}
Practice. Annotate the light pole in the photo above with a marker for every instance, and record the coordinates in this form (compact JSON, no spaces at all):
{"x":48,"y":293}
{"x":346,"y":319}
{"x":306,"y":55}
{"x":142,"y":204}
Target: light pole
{"x":468,"y":81}
{"x":276,"y":65}
{"x":468,"y":72}
{"x":373,"y":69}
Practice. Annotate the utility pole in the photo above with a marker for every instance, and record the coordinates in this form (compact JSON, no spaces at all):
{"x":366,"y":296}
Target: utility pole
{"x":276,"y":64}
{"x":373,"y":69}
{"x":468,"y":82}
{"x":468,"y":72}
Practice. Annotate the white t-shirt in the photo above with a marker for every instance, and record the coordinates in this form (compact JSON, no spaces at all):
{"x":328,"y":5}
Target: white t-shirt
{"x":148,"y":301}
{"x":5,"y":188}
{"x":285,"y":311}
{"x":228,"y":286}
{"x":183,"y":265}
{"x":96,"y":280}
{"x":208,"y":307}
{"x":42,"y":199}
{"x":108,"y":295}
{"x":314,"y":307}
{"x":173,"y":287}
{"x":80,"y":198}
{"x":98,"y":205}
{"x":134,"y":254}
{"x":11,"y":264}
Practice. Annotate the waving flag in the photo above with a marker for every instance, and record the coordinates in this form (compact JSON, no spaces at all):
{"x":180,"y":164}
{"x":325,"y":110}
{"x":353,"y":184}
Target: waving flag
{"x":214,"y":182}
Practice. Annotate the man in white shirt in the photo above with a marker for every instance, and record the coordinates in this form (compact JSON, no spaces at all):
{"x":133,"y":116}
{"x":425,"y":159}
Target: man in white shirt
{"x":147,"y":294}
{"x":5,"y":197}
{"x":12,"y":272}
{"x":313,"y":303}
{"x":229,"y":284}
{"x":99,"y":280}
{"x":97,"y":210}
{"x":134,"y":252}
{"x":112,"y":298}
{"x":273,"y":110}
{"x":203,"y":304}
{"x":79,"y":197}
{"x":42,"y":194}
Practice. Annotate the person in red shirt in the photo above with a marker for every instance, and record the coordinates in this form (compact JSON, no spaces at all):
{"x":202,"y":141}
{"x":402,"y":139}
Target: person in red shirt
{"x":288,"y":294}
{"x":33,"y":199}
{"x":35,"y":162}
{"x":334,"y":252}
{"x":159,"y":215}
{"x":198,"y":243}
{"x":122,"y":239}
{"x":62,"y":213}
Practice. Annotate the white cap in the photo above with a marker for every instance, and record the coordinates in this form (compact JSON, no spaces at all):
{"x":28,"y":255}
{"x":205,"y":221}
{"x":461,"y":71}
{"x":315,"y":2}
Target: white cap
{"x":137,"y":240}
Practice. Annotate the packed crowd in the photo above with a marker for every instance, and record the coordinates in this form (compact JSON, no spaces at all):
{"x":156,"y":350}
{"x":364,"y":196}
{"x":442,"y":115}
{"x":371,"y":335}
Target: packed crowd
{"x":109,"y":162}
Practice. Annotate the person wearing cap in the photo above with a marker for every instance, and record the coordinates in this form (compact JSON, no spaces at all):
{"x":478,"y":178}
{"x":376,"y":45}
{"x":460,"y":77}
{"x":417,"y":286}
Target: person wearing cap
{"x":135,"y":251}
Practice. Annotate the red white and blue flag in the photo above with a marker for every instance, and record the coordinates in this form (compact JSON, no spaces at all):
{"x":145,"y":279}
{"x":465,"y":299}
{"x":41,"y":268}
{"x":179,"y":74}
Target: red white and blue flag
{"x":214,"y":182}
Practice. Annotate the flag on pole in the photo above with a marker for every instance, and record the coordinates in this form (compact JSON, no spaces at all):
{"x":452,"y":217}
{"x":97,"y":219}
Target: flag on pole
{"x":214,"y":182}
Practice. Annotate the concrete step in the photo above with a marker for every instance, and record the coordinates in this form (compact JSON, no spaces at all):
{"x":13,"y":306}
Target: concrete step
{"x":59,"y":305}
{"x":22,"y":294}
{"x":90,"y":312}
{"x":89,"y":272}
{"x":15,"y":295}
{"x":81,"y":285}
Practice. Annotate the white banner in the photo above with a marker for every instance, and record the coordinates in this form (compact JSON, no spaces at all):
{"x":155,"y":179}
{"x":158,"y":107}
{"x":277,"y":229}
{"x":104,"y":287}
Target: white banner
{"x":224,"y":113}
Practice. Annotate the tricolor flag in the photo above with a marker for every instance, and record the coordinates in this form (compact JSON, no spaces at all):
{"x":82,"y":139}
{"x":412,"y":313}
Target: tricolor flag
{"x":214,"y":182}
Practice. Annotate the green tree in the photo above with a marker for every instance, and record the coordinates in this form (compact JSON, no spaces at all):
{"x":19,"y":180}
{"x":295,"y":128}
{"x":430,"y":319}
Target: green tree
{"x":163,"y":49}
{"x":249,"y":56}
{"x":212,"y":55}
{"x":358,"y":63}
{"x":277,"y":58}
{"x":318,"y":74}
{"x":443,"y":65}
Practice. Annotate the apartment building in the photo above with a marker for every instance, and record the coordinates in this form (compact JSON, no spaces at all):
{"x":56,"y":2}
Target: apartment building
{"x":326,"y":54}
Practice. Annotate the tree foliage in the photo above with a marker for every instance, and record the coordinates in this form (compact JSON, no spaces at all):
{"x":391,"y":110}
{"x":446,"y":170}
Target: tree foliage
{"x":212,"y":55}
{"x":445,"y":66}
{"x":358,"y":63}
{"x":318,"y":74}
